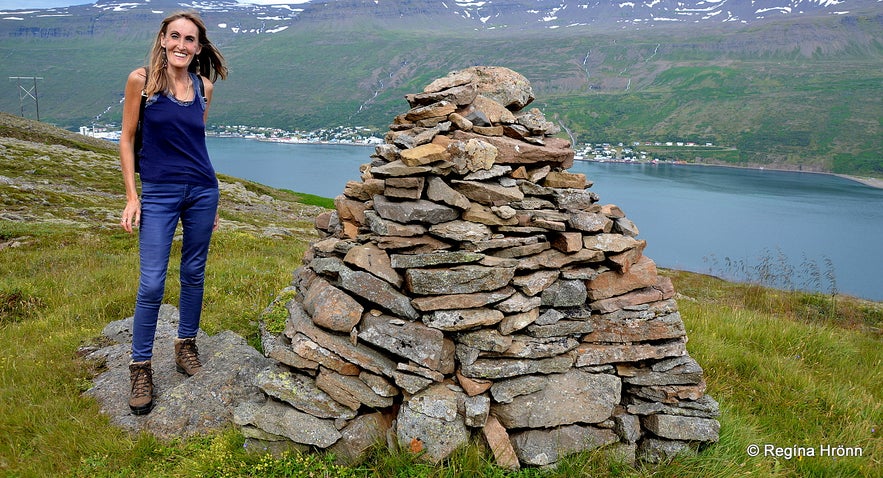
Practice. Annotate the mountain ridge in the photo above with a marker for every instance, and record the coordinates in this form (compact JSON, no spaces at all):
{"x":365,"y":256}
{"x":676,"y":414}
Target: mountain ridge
{"x":794,"y":91}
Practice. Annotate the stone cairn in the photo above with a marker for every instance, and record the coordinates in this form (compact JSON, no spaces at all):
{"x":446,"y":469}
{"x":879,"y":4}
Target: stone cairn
{"x":470,"y":284}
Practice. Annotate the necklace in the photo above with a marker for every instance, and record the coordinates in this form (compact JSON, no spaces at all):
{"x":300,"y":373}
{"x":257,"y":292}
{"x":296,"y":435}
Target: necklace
{"x":186,"y":95}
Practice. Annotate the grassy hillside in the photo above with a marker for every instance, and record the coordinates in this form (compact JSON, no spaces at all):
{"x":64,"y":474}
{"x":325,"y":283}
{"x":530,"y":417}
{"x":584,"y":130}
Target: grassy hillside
{"x":789,"y":369}
{"x":804,"y":93}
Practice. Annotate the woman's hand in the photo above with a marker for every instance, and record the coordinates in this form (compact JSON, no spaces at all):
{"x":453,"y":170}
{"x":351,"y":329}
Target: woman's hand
{"x":132,"y":215}
{"x":217,"y":222}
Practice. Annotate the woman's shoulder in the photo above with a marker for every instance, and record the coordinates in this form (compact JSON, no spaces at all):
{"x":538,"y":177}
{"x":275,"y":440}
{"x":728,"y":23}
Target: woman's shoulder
{"x":138,"y":74}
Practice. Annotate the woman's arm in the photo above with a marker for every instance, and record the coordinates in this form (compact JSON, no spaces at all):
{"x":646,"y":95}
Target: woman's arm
{"x":131,"y":109}
{"x":209,"y":89}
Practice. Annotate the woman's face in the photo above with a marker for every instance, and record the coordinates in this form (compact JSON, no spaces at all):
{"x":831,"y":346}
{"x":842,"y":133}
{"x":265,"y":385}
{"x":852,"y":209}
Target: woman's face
{"x":181,"y":42}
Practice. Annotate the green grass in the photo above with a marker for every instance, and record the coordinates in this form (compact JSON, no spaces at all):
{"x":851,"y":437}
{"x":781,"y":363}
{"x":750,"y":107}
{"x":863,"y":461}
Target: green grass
{"x":788,"y":368}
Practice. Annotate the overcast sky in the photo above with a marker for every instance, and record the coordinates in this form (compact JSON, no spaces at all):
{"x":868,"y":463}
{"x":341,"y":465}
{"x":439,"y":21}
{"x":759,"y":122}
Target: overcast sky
{"x":20,"y":4}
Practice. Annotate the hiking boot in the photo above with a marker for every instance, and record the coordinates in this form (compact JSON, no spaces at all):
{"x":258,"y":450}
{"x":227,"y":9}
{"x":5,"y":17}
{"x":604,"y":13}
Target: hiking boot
{"x":187,"y":356}
{"x":141,"y":397}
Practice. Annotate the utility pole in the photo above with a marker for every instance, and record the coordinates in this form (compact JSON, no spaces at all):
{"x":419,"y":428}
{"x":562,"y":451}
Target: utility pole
{"x":27,"y":92}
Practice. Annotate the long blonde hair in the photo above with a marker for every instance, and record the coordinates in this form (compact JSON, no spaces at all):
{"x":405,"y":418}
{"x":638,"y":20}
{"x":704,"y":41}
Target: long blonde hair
{"x":208,"y":63}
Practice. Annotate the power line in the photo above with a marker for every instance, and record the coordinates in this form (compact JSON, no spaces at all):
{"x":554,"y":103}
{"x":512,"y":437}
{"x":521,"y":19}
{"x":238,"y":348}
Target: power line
{"x":27,"y":92}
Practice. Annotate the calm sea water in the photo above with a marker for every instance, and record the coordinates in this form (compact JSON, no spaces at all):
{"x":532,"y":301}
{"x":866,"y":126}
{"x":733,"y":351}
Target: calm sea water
{"x":792,"y":230}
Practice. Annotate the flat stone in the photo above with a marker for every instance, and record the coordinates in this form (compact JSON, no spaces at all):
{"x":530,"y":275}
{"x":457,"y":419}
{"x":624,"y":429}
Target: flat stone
{"x":380,"y":385}
{"x":301,"y":392}
{"x":384,"y":227}
{"x":398,"y":168}
{"x":504,"y":391}
{"x":363,"y":190}
{"x":432,"y":259}
{"x":534,"y":348}
{"x":441,"y":109}
{"x":350,"y":391}
{"x":331,"y":307}
{"x":505,"y":86}
{"x":278,"y":348}
{"x":577,"y":200}
{"x":669,"y":394}
{"x":461,"y":231}
{"x":364,"y":357}
{"x":610,"y":243}
{"x":359,"y":436}
{"x":523,"y":251}
{"x":496,"y":171}
{"x":476,"y":410}
{"x":567,"y":242}
{"x":518,"y":302}
{"x":565,"y":293}
{"x":411,"y":383}
{"x":457,"y":280}
{"x":548,"y":446}
{"x":485,"y":215}
{"x":497,"y":439}
{"x":462,"y":319}
{"x":515,"y":322}
{"x":473,"y":387}
{"x":496,"y":113}
{"x":280,"y":419}
{"x":429,"y":422}
{"x":487,"y":193}
{"x":472,"y":155}
{"x":416,"y":245}
{"x":466,"y":301}
{"x":553,"y":259}
{"x":412,"y":340}
{"x":459,"y":95}
{"x":560,"y":328}
{"x":516,"y":152}
{"x":371,"y":258}
{"x":376,"y":290}
{"x":612,"y":283}
{"x":656,"y":451}
{"x":314,"y":353}
{"x":591,"y":222}
{"x":567,"y":398}
{"x":631,"y":300}
{"x":683,"y":428}
{"x":404,"y":188}
{"x":610,"y":328}
{"x":488,"y":340}
{"x":564,"y":179}
{"x":596,"y":354}
{"x":504,"y":368}
{"x":535,"y":121}
{"x":440,"y":192}
{"x":420,"y":211}
{"x":424,"y":154}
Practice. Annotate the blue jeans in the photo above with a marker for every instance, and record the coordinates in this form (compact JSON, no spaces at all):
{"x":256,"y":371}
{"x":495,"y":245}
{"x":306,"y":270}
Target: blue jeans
{"x":162,"y":206}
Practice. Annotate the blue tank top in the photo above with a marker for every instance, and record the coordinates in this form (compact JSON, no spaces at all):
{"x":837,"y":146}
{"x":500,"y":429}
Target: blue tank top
{"x":173,"y":148}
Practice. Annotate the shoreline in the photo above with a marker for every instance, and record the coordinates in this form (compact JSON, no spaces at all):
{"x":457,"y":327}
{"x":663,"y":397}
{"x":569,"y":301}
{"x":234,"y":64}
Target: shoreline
{"x":876,"y":183}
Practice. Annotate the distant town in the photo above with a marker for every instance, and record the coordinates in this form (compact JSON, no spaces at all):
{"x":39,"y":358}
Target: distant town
{"x":362,"y":136}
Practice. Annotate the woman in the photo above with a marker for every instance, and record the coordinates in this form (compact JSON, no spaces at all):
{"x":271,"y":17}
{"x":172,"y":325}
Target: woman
{"x":177,"y":183}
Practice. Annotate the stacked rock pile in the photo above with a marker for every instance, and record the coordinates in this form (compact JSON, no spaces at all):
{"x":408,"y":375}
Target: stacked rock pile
{"x":470,"y":284}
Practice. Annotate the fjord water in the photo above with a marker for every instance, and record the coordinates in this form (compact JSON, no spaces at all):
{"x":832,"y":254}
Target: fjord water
{"x":786,"y":229}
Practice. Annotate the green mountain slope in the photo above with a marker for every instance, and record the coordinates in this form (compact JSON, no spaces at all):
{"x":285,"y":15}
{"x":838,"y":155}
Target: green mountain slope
{"x":796,"y":94}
